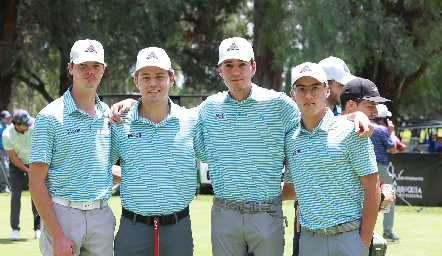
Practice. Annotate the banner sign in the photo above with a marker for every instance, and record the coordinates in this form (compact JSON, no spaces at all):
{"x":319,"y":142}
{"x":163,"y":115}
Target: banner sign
{"x":417,"y":177}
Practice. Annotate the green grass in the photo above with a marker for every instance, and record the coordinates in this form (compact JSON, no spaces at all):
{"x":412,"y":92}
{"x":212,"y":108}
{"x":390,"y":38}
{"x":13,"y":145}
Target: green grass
{"x":420,"y":232}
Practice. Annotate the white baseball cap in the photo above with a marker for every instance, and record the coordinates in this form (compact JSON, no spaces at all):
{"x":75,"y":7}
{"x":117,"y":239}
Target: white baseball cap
{"x":87,"y":50}
{"x":337,"y":70}
{"x":383,"y":111}
{"x":235,"y":48}
{"x":310,"y":69}
{"x":152,"y":56}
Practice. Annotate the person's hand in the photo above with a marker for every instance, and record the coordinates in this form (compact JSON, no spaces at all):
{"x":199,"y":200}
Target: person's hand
{"x":388,"y":198}
{"x":363,"y":127}
{"x":390,"y":126}
{"x":62,"y":246}
{"x":119,"y":108}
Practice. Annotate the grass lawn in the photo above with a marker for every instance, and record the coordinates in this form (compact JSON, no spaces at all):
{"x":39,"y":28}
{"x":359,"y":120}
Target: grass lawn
{"x":420,"y":232}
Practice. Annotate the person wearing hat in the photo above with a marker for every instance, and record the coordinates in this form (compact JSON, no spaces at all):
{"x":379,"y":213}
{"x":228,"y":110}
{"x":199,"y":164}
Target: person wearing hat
{"x":17,"y":144}
{"x":5,"y":120}
{"x":338,"y":74}
{"x":160,"y":178}
{"x":245,"y":170}
{"x":346,"y":177}
{"x":361,"y":94}
{"x":384,"y":141}
{"x":70,"y":180}
{"x":432,"y":142}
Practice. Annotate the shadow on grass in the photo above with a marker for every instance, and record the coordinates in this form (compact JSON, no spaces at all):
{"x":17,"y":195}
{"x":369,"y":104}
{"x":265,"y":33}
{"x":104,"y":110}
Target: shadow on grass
{"x":7,"y":241}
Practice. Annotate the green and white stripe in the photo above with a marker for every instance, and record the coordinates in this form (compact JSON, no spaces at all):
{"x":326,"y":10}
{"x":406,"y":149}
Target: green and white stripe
{"x":76,"y":148}
{"x":243,"y":142}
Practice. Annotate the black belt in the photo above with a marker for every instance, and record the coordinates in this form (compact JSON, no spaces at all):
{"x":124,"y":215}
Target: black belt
{"x":168,"y":219}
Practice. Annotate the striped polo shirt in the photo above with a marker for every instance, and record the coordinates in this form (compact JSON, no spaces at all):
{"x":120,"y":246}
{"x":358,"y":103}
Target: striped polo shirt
{"x":382,"y":142}
{"x":20,"y":143}
{"x":76,"y":147}
{"x":243,"y":142}
{"x":325,"y":167}
{"x":158,"y":171}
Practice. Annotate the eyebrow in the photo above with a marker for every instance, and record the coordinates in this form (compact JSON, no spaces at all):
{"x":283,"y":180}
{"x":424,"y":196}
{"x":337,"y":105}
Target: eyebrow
{"x":307,"y":85}
{"x":159,"y":73}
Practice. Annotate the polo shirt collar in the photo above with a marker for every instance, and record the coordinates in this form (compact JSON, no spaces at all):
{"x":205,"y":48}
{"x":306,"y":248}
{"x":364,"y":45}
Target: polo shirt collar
{"x":134,"y":116}
{"x":324,"y":124}
{"x":70,"y":106}
{"x":252,"y":96}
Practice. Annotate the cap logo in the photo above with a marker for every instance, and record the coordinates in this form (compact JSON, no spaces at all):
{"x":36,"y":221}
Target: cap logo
{"x":374,"y":89}
{"x":91,"y":49}
{"x":233,"y":47}
{"x":151,"y":55}
{"x":25,"y":119}
{"x":305,"y":69}
{"x":346,"y":68}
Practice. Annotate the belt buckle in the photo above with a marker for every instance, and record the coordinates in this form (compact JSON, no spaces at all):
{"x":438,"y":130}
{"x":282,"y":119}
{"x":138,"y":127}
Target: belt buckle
{"x":85,"y":206}
{"x":330,"y":232}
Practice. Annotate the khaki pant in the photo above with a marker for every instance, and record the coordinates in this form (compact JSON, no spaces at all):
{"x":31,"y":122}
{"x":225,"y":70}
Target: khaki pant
{"x":236,"y":234}
{"x":91,"y":231}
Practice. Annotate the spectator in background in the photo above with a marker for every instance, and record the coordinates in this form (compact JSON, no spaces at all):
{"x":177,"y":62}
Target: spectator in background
{"x":432,"y":141}
{"x":5,"y":120}
{"x":17,"y":144}
{"x":384,"y":142}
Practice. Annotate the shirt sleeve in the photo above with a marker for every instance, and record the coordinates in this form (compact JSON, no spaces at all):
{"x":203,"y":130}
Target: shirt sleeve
{"x":43,"y":140}
{"x":290,"y":113}
{"x":198,"y":138}
{"x":115,"y":145}
{"x":386,"y":139}
{"x":288,"y":159}
{"x":361,"y":154}
{"x":6,"y":139}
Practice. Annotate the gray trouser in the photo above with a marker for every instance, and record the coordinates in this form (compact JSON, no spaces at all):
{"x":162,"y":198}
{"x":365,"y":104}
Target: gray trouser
{"x":19,"y":180}
{"x":135,"y":238}
{"x":92,"y":231}
{"x":4,"y":169}
{"x":237,"y":234}
{"x":385,"y":176}
{"x":343,"y":244}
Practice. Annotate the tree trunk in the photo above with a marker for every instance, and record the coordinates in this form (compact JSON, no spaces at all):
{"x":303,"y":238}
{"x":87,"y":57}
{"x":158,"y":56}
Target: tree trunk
{"x":267,"y":75}
{"x":8,"y":36}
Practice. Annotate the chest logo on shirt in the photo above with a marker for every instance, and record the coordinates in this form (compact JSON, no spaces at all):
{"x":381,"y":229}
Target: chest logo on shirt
{"x":134,"y":135}
{"x":221,"y":116}
{"x":73,"y":130}
{"x":296,"y":152}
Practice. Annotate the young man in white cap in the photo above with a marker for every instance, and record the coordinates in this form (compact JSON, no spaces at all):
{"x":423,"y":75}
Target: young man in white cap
{"x":338,"y":74}
{"x":245,"y":170}
{"x":5,"y":121}
{"x":338,"y":195}
{"x":159,"y":179}
{"x":384,"y":143}
{"x":70,"y":180}
{"x":17,"y":144}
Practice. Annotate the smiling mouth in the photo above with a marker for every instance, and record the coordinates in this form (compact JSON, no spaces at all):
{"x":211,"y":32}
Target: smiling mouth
{"x":153,"y":91}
